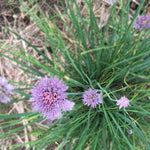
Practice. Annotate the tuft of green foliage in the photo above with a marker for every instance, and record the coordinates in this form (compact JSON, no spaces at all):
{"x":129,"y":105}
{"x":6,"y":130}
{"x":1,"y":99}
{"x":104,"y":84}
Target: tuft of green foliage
{"x":114,"y":59}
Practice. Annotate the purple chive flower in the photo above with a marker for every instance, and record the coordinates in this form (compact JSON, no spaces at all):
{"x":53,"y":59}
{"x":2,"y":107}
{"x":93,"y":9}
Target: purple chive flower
{"x":5,"y":90}
{"x":142,"y":22}
{"x":123,"y":102}
{"x":130,"y":131}
{"x":49,"y":98}
{"x":92,"y":97}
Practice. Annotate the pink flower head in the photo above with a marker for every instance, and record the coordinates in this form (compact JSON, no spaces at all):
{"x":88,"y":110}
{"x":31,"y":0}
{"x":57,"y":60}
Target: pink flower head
{"x":49,"y":98}
{"x":92,"y":97}
{"x":130,"y":131}
{"x":123,"y":102}
{"x":142,"y":22}
{"x":5,"y":90}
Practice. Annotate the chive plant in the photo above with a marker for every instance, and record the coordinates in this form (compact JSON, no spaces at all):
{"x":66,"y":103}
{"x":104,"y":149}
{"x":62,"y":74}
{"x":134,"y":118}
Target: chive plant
{"x":106,"y":70}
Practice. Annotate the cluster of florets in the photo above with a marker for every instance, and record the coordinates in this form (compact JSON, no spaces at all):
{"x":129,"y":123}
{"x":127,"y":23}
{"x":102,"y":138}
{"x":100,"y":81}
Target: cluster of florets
{"x":92,"y":97}
{"x":142,"y":22}
{"x":50,"y":98}
{"x":123,"y":102}
{"x":6,"y":89}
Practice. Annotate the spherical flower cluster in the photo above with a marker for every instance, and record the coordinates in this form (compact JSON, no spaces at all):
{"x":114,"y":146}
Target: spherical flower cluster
{"x":92,"y":97}
{"x":49,"y":98}
{"x":5,"y":90}
{"x":130,"y":131}
{"x":142,"y":22}
{"x":123,"y":102}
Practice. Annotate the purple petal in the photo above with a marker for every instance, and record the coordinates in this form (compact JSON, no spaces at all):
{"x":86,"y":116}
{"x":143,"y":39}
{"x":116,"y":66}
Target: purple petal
{"x":4,"y":99}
